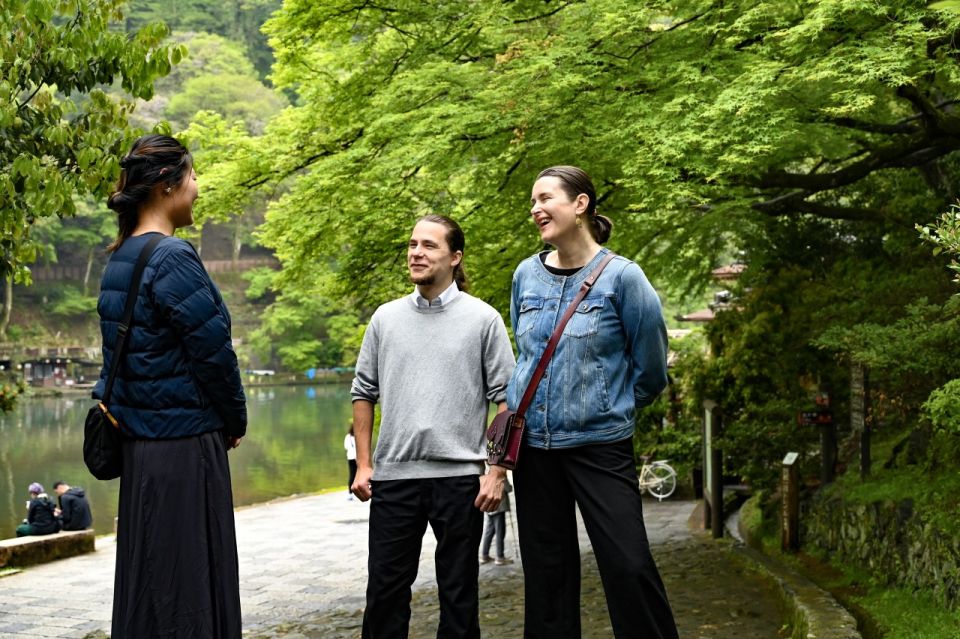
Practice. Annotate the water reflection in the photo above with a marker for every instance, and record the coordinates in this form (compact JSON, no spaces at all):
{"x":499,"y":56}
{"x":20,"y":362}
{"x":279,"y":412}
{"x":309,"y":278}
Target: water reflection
{"x":294,"y":444}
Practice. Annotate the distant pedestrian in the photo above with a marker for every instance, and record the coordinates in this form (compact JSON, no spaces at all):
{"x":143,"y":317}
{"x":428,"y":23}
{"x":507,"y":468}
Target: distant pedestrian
{"x":578,"y":450}
{"x":178,"y":392}
{"x":74,"y":511}
{"x":496,"y":527}
{"x":435,"y":360}
{"x":350,"y":445}
{"x":41,"y":518}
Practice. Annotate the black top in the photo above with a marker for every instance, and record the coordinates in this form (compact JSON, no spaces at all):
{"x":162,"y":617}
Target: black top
{"x":75,"y":510}
{"x":40,"y":516}
{"x":565,"y":272}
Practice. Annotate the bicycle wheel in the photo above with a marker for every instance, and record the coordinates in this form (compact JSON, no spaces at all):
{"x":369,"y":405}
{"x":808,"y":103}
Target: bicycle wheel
{"x":666,"y":480}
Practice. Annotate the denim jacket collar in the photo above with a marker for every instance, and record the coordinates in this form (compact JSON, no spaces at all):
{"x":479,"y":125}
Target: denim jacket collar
{"x":571,"y":280}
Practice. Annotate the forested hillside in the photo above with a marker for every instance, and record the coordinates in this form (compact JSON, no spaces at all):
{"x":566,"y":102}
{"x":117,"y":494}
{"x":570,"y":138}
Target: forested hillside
{"x":221,"y":65}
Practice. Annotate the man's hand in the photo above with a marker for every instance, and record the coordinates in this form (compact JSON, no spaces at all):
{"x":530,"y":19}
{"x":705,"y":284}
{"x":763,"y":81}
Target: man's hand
{"x":491,"y":489}
{"x":361,"y":483}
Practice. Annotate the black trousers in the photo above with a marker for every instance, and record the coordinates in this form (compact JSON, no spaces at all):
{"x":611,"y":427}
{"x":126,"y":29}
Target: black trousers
{"x":602,"y":480}
{"x":399,"y":513}
{"x":496,"y":526}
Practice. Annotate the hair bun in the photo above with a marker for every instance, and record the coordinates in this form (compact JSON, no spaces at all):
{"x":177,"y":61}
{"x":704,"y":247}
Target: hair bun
{"x":127,"y":161}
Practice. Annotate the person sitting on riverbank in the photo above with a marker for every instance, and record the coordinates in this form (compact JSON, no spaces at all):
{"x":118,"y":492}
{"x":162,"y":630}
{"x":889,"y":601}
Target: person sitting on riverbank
{"x":74,"y":510}
{"x":40,"y":514}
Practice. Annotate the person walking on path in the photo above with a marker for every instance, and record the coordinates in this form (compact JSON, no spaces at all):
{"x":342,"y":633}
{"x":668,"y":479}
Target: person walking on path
{"x":74,"y":510}
{"x":434,"y":360}
{"x":496,"y":526}
{"x":577,"y":448}
{"x":178,"y":392}
{"x":41,"y":514}
{"x":350,"y":445}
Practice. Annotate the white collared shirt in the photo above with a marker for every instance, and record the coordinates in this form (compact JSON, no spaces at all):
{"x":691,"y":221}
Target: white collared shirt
{"x":445,"y":298}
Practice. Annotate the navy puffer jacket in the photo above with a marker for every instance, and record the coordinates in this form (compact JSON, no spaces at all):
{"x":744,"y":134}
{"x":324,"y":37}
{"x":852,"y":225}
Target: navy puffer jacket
{"x":179,"y":374}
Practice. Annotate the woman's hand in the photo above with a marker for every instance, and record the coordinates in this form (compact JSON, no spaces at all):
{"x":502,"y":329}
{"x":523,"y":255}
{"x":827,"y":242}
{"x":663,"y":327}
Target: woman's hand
{"x":233,"y":442}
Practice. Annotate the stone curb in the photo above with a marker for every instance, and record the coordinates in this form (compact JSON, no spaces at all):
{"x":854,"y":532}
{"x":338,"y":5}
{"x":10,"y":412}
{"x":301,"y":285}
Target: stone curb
{"x":813,"y":612}
{"x":21,"y":552}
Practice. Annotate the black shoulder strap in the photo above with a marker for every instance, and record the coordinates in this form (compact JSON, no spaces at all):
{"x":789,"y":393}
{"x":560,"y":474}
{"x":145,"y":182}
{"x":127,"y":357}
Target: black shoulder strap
{"x":127,"y":321}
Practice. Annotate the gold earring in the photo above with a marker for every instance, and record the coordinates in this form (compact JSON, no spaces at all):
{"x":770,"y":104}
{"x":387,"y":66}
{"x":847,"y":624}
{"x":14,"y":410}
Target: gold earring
{"x":579,"y":222}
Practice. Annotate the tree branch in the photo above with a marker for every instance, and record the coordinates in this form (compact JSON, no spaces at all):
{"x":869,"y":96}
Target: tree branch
{"x":789,"y":203}
{"x":280,"y":175}
{"x":936,"y":120}
{"x":509,"y":173}
{"x":547,"y":14}
{"x":914,"y":153}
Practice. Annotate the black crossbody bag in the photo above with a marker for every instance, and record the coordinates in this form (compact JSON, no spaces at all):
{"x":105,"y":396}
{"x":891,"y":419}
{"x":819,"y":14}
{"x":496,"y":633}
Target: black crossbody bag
{"x":103,"y":435}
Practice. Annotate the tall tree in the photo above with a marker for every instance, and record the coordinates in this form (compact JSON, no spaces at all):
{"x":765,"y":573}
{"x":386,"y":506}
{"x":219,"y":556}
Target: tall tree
{"x":811,"y":135}
{"x":60,"y":134}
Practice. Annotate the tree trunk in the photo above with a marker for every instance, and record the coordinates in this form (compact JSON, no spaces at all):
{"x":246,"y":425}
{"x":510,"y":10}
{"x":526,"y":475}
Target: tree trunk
{"x":7,"y":307}
{"x":237,"y":234}
{"x":86,"y":275}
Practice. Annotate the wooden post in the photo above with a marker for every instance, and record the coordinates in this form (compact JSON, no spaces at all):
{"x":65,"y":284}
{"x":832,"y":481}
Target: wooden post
{"x":860,"y":412}
{"x":712,"y":470}
{"x":828,"y":452}
{"x":789,"y":492}
{"x":828,"y":437}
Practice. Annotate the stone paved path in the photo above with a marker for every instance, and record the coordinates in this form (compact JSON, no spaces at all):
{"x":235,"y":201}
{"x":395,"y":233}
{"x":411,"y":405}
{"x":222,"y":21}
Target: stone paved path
{"x":303,"y":573}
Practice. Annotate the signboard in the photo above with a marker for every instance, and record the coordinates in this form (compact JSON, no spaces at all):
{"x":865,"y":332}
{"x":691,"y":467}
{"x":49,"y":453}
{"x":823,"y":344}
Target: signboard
{"x":815,"y":418}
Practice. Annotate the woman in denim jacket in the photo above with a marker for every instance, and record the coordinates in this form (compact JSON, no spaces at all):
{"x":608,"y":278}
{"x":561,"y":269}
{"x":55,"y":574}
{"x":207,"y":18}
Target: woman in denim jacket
{"x":610,"y":361}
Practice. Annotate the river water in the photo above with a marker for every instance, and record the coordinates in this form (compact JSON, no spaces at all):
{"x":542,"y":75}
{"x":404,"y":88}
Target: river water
{"x":294,"y":444}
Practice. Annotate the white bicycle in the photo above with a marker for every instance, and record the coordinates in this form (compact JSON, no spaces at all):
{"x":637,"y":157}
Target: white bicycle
{"x":658,"y":477}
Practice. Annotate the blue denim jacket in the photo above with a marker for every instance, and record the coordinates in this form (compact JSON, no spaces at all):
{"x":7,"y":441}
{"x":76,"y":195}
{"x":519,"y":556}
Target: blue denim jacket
{"x":610,"y":361}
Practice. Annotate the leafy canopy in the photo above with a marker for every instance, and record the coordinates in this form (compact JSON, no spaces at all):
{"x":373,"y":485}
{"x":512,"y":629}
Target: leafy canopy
{"x":60,"y":133}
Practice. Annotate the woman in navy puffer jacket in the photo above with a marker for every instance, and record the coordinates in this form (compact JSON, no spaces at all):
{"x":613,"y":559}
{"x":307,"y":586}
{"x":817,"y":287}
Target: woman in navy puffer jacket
{"x":178,"y":392}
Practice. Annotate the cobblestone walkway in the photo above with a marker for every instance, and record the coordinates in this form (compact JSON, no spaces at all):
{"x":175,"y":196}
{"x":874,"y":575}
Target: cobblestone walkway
{"x":712,"y":595}
{"x":303,"y":574}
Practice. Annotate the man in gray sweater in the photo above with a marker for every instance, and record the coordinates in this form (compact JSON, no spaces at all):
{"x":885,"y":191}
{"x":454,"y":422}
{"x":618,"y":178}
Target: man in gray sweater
{"x":435,"y":360}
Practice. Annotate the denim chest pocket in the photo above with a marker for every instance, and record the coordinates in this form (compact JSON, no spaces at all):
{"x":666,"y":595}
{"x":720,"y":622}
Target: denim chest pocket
{"x":527,"y":315}
{"x":586,"y":319}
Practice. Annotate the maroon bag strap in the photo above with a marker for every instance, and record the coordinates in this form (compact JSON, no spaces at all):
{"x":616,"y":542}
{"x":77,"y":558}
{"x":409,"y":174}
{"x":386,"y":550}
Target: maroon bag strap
{"x":557,"y":332}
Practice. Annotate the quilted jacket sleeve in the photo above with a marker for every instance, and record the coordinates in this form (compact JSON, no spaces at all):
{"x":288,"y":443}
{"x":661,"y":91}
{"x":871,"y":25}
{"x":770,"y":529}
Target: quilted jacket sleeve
{"x":186,"y":297}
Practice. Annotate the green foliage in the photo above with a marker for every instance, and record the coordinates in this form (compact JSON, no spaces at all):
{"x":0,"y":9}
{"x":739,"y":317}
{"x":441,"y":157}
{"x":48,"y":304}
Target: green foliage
{"x":943,"y":407}
{"x":70,"y":301}
{"x":306,"y":331}
{"x":944,"y":234}
{"x":670,"y":427}
{"x":10,"y":390}
{"x":902,"y":613}
{"x":60,"y":134}
{"x":235,"y":96}
{"x":239,"y":20}
{"x":946,"y":5}
{"x":811,"y":136}
{"x":216,"y":75}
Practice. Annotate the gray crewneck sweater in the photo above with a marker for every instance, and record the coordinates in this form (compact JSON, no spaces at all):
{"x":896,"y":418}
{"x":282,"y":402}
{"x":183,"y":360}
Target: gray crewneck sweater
{"x":435,"y":371}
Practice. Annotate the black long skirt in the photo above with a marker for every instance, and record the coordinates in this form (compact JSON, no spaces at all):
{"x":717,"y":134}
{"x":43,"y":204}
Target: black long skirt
{"x":177,"y":572}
